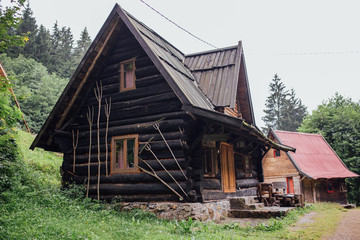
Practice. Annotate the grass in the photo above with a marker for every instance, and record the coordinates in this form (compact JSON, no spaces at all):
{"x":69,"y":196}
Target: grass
{"x":35,"y":207}
{"x":325,"y":222}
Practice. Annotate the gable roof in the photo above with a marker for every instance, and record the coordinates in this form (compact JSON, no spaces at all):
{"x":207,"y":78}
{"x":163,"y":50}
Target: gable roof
{"x":313,"y":157}
{"x":221,"y":76}
{"x":167,"y":59}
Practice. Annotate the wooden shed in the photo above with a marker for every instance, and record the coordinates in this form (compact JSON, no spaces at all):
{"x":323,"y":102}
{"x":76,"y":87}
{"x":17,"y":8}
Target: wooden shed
{"x":314,"y":170}
{"x":180,"y":126}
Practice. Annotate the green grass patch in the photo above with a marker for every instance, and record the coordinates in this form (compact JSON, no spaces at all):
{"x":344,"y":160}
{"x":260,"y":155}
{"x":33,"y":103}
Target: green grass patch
{"x":35,"y":207}
{"x":324,"y":222}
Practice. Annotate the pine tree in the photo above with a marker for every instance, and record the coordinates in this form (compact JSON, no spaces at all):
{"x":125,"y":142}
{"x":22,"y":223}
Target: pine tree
{"x":54,"y":62}
{"x":66,"y":67}
{"x":27,"y":27}
{"x":284,"y":111}
{"x":82,"y":46}
{"x":274,"y":104}
{"x":61,"y":52}
{"x":42,"y":46}
{"x":293,"y":113}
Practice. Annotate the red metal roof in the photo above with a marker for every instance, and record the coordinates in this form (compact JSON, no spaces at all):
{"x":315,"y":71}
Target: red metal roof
{"x":314,"y":157}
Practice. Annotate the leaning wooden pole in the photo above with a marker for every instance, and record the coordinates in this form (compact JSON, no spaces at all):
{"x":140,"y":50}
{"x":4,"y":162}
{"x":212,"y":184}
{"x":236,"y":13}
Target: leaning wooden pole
{"x":4,"y":75}
{"x":153,"y":173}
{"x":148,"y":148}
{"x":90,"y":118}
{"x":98,"y":94}
{"x":157,"y":127}
{"x":107,"y":114}
{"x":75,"y":144}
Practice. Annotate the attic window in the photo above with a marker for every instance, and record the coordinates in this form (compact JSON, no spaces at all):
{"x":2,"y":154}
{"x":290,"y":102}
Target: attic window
{"x":124,"y":158}
{"x":127,"y":75}
{"x":277,"y":153}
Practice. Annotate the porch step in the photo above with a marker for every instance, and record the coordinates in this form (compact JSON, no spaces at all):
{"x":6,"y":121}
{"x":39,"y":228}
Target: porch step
{"x":266,"y":212}
{"x":245,"y":203}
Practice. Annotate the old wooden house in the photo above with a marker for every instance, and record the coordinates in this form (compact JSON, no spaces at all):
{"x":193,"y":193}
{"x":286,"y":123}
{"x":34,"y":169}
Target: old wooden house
{"x":314,"y":169}
{"x":178,"y":126}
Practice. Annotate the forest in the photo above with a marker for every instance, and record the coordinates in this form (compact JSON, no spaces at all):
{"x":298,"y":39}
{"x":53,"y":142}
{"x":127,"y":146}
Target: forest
{"x":41,"y":67}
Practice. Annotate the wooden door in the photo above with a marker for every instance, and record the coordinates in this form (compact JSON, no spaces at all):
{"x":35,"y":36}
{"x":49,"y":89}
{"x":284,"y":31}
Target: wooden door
{"x":227,"y":168}
{"x":290,"y":185}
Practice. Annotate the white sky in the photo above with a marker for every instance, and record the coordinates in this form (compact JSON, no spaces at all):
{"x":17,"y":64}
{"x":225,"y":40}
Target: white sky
{"x":302,"y":41}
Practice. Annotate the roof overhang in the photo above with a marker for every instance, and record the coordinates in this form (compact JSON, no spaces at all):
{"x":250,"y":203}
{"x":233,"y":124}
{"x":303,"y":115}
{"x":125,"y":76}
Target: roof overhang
{"x":237,"y":124}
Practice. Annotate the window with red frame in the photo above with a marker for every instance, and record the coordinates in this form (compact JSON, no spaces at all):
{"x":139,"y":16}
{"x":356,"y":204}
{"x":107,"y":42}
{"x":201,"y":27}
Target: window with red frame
{"x":330,"y":187}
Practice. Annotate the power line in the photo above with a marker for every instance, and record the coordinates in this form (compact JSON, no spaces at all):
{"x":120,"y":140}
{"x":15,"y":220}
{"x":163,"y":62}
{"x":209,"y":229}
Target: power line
{"x":177,"y":25}
{"x":319,"y":53}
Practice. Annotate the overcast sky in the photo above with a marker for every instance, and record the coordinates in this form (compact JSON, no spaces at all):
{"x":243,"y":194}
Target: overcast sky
{"x":314,"y":46}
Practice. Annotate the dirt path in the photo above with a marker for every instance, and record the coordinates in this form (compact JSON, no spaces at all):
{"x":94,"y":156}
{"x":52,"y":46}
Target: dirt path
{"x":349,"y":227}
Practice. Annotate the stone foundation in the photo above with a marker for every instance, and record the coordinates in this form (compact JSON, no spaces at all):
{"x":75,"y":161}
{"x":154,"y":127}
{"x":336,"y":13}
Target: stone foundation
{"x":210,"y":211}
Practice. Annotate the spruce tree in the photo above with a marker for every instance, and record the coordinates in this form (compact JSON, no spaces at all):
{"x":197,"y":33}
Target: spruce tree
{"x":27,"y":27}
{"x":274,"y":104}
{"x":82,"y":46}
{"x":293,"y":113}
{"x":42,"y":46}
{"x":284,"y":111}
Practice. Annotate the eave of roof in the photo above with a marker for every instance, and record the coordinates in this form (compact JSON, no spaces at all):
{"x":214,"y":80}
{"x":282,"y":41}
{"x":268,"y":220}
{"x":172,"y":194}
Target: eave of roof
{"x":239,"y":124}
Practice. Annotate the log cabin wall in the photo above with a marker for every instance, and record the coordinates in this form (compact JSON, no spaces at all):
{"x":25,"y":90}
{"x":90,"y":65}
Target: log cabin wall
{"x":332,"y":190}
{"x":206,"y":161}
{"x":132,"y":112}
{"x":277,"y":168}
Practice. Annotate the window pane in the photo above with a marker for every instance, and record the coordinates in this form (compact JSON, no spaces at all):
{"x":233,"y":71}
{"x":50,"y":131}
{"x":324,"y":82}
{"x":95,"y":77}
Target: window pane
{"x":130,"y":153}
{"x":119,"y":153}
{"x":128,"y":75}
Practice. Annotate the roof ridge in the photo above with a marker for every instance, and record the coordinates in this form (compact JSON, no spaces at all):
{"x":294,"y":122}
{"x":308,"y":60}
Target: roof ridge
{"x":302,"y":133}
{"x":152,"y":31}
{"x":210,"y":51}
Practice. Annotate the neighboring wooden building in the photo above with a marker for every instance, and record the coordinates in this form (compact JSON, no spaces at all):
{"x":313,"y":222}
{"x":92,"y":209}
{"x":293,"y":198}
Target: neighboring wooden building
{"x":201,"y":103}
{"x":314,"y":169}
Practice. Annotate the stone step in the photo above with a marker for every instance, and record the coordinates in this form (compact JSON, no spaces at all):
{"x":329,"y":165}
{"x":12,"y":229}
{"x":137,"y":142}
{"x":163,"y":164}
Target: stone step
{"x":256,"y":205}
{"x":242,"y":202}
{"x":266,"y":212}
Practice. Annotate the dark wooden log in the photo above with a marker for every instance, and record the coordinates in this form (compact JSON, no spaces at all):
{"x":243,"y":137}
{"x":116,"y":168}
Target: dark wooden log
{"x":139,"y":103}
{"x":115,"y":58}
{"x":109,"y":80}
{"x":140,"y":177}
{"x":155,"y":146}
{"x":131,"y":45}
{"x":246,"y":182}
{"x":148,"y":119}
{"x":140,"y":188}
{"x":149,"y":80}
{"x":213,"y":184}
{"x":169,"y":164}
{"x":83,"y":158}
{"x":81,"y":166}
{"x":138,"y":111}
{"x":140,"y":82}
{"x":133,"y":94}
{"x":146,"y":71}
{"x":142,"y":138}
{"x":139,"y":197}
{"x":141,"y":128}
{"x":165,"y":154}
{"x":82,"y":169}
{"x":125,"y":40}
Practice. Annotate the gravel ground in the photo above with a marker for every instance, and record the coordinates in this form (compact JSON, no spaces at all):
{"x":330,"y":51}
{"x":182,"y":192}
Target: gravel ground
{"x":349,"y":227}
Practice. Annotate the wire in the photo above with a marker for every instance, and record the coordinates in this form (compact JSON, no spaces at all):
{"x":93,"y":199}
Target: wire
{"x":319,"y":53}
{"x":177,"y":25}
